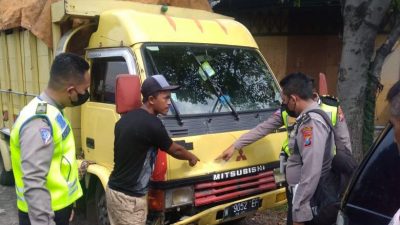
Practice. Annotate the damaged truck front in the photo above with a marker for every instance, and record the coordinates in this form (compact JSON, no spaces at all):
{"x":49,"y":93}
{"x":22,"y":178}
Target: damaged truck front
{"x":227,"y":88}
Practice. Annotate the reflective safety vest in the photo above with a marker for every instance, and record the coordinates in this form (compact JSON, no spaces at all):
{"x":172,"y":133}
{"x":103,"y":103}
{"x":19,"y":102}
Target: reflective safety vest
{"x":329,"y":104}
{"x":62,"y":179}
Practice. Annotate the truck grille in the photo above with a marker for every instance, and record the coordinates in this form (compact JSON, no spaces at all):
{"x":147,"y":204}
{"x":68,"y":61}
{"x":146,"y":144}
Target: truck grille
{"x":217,"y":191}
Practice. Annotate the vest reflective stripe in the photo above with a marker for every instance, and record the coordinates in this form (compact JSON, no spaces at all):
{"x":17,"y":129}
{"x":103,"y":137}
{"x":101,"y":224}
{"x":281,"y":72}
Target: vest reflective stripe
{"x":20,"y":193}
{"x":62,"y":178}
{"x":332,"y":112}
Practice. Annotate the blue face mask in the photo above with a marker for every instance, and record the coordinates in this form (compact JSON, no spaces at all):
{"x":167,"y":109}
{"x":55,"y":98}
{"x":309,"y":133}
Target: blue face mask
{"x":82,"y":98}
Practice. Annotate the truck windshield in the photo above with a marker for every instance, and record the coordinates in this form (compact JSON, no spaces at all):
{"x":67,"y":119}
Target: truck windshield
{"x":214,"y":79}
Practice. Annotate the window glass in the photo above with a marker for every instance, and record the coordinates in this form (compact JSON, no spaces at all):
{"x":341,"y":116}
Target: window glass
{"x":211,"y":77}
{"x":377,"y":188}
{"x":103,"y":74}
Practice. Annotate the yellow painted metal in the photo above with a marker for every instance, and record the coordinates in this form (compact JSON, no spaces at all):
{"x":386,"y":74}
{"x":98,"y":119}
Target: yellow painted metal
{"x":10,"y":60}
{"x":99,"y":171}
{"x":126,"y":27}
{"x":208,"y":216}
{"x":98,"y":121}
{"x":208,"y":147}
{"x":3,"y":78}
{"x":24,"y":70}
{"x":91,"y":8}
{"x":25,"y":63}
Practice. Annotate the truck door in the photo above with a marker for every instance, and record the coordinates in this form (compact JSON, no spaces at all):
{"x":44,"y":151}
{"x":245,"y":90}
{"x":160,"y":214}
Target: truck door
{"x":98,"y":114}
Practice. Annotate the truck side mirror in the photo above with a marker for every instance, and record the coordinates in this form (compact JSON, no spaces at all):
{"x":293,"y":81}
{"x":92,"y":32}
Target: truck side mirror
{"x":127,"y":93}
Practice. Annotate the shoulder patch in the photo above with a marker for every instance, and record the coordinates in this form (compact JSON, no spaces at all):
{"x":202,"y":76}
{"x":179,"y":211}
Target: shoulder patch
{"x":45,"y":134}
{"x":307,"y":136}
{"x":41,"y":108}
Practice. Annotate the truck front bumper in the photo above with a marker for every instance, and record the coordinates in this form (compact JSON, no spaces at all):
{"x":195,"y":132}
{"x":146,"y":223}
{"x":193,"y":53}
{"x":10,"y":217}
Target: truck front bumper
{"x":269,"y":200}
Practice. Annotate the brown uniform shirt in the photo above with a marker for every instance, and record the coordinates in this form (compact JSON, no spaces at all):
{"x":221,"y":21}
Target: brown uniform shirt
{"x":342,"y":137}
{"x":311,"y":160}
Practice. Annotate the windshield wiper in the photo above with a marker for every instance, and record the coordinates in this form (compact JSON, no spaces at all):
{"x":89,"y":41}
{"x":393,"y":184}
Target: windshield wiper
{"x":217,"y":90}
{"x":176,"y":111}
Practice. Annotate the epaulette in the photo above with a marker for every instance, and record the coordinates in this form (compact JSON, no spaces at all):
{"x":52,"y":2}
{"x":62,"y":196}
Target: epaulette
{"x":329,"y":100}
{"x":41,"y":108}
{"x":305,"y":118}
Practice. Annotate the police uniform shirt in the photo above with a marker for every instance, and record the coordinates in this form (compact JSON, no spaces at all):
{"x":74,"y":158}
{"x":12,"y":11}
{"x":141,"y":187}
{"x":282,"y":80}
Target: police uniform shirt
{"x":261,"y":130}
{"x":37,"y":149}
{"x":313,"y":158}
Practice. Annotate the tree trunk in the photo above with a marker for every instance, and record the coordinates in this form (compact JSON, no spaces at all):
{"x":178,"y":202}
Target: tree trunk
{"x":374,"y":85}
{"x":361,"y":23}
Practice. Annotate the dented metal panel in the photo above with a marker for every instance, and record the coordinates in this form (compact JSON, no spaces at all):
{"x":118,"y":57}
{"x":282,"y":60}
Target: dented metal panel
{"x":24,"y":71}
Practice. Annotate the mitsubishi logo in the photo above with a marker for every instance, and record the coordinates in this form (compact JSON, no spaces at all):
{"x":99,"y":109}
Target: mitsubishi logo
{"x":241,"y":156}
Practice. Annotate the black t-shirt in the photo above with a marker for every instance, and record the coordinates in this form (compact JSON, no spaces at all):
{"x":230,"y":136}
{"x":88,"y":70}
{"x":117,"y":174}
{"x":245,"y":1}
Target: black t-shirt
{"x":138,"y":135}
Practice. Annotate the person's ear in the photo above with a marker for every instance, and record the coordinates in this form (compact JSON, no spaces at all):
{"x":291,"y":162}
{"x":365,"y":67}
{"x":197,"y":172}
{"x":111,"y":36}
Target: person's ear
{"x":151,"y":99}
{"x":70,"y":89}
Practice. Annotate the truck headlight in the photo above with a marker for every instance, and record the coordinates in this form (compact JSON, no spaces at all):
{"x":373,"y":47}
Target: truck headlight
{"x":179,"y":196}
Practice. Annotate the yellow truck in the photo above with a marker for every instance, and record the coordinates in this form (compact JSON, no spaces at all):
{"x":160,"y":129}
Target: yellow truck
{"x":227,"y":88}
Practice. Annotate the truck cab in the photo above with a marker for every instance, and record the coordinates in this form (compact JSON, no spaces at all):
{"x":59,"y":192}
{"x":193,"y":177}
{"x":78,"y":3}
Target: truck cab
{"x":226,"y":89}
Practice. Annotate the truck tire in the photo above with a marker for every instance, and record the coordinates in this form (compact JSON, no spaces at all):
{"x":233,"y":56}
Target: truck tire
{"x":6,"y":177}
{"x":101,"y":205}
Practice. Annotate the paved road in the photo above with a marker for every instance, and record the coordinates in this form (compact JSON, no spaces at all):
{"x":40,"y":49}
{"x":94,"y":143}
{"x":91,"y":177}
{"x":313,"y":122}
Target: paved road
{"x":8,"y":211}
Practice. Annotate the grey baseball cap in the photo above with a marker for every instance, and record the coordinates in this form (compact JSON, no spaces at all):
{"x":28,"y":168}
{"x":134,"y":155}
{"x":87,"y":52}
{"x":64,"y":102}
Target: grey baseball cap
{"x":156,"y":83}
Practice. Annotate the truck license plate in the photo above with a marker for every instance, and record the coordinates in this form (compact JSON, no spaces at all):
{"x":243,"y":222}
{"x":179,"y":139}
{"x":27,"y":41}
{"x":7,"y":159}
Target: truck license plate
{"x":240,"y":208}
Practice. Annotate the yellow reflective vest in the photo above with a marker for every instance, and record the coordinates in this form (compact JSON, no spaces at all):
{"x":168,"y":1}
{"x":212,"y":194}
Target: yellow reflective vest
{"x":62,"y":180}
{"x":328,"y":104}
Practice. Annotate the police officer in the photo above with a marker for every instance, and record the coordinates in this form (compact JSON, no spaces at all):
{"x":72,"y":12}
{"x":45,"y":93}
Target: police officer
{"x":311,"y":146}
{"x":43,"y":147}
{"x":280,"y":118}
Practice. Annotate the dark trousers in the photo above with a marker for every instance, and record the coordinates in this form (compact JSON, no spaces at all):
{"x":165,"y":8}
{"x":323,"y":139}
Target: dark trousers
{"x":289,"y":198}
{"x":61,"y":216}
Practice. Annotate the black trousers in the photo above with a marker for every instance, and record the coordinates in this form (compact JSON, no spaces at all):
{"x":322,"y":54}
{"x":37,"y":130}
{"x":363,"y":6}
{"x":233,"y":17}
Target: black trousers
{"x":61,"y":216}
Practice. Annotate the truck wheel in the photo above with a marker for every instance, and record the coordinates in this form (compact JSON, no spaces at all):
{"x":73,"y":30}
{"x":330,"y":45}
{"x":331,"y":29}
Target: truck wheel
{"x":6,"y":177}
{"x":101,"y":206}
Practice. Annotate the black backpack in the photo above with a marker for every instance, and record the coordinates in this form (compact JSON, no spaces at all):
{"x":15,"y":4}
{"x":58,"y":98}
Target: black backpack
{"x":326,"y":199}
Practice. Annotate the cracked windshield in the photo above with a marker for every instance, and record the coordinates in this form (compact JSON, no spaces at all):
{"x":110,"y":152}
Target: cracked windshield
{"x":214,"y":79}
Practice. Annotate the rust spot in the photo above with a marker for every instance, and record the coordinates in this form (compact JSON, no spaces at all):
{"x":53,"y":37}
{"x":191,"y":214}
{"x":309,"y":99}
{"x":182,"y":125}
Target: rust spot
{"x":198,"y":25}
{"x":5,"y":115}
{"x":171,"y":22}
{"x":222,"y":26}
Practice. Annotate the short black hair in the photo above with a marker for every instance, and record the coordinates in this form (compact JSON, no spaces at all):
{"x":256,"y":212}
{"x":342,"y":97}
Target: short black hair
{"x":393,"y":97}
{"x":146,"y":97}
{"x":67,"y":67}
{"x":298,"y":84}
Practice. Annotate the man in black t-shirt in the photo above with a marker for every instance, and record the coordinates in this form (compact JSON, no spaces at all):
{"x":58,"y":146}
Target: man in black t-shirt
{"x":138,"y":135}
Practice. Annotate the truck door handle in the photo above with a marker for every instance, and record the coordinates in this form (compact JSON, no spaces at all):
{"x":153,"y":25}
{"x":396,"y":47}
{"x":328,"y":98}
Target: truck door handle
{"x":90,"y":142}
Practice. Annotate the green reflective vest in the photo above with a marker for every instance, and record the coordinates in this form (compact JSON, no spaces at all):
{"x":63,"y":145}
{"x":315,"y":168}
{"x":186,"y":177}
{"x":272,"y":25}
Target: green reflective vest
{"x":62,"y":179}
{"x":330,"y":109}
